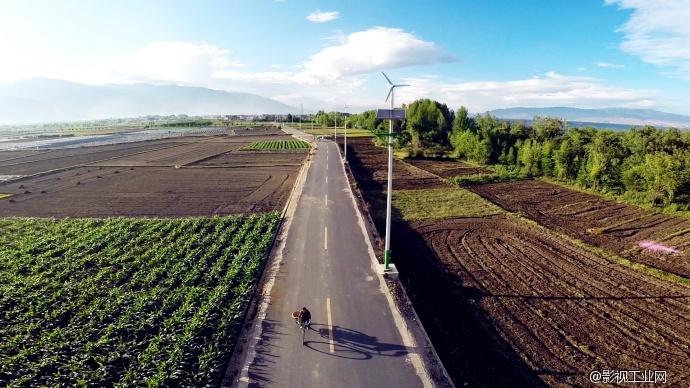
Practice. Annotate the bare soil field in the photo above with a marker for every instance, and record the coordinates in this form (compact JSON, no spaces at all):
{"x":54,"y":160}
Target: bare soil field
{"x":446,"y":168}
{"x":369,"y":165}
{"x":179,"y":155}
{"x":563,"y":311}
{"x":34,"y":162}
{"x":198,"y":177}
{"x":12,"y":155}
{"x":613,"y":226}
{"x":508,"y":303}
{"x":250,"y":158}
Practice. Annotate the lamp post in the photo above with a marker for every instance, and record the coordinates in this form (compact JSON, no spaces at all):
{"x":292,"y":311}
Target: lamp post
{"x":390,"y":115}
{"x":345,"y":146}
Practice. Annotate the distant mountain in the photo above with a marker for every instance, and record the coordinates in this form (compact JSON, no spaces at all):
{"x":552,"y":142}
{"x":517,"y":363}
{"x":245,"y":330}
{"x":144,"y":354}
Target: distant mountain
{"x":606,"y":115}
{"x":39,"y":100}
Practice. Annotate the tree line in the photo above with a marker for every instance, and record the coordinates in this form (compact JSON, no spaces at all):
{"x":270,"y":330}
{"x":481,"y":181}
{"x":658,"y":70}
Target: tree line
{"x":643,"y":164}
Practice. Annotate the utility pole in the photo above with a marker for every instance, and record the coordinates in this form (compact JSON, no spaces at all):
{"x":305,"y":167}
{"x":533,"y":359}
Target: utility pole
{"x":345,"y":146}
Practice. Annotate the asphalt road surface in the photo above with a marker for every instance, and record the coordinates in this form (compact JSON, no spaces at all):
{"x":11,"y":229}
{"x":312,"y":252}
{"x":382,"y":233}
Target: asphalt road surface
{"x":324,"y":263}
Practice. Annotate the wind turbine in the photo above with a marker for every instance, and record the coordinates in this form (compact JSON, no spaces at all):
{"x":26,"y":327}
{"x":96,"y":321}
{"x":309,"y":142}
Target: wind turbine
{"x":391,"y":87}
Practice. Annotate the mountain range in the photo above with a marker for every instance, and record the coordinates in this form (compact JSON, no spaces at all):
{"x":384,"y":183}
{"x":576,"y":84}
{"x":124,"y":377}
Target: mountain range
{"x":39,"y":100}
{"x":607,"y":115}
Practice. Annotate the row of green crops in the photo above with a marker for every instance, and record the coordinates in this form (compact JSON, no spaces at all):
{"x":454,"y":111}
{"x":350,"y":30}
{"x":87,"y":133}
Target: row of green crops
{"x":278,"y":145}
{"x":125,"y":302}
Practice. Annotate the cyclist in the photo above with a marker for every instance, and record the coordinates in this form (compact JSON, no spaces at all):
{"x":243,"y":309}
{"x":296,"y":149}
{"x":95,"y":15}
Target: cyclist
{"x":304,"y":317}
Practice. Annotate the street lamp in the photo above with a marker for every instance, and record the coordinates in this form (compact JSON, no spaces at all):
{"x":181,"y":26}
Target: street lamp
{"x":390,"y":115}
{"x":345,"y":147}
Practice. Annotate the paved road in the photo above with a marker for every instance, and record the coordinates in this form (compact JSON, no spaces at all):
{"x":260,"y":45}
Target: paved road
{"x":324,"y":263}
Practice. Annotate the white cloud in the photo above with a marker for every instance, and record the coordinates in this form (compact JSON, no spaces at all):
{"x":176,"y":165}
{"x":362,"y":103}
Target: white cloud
{"x":552,"y":89}
{"x":321,"y":17}
{"x":375,"y":49}
{"x":611,"y":65}
{"x":181,"y":63}
{"x":658,"y":32}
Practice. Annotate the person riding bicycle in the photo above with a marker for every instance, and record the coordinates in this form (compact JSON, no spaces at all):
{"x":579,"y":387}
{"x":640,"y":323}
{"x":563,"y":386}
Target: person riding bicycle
{"x":304,"y":317}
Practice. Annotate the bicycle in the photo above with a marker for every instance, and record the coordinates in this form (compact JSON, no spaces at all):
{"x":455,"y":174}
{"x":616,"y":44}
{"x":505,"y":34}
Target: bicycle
{"x":302,"y":325}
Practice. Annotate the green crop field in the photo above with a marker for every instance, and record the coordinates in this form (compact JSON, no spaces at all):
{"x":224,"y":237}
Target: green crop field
{"x":278,"y":145}
{"x":125,"y":302}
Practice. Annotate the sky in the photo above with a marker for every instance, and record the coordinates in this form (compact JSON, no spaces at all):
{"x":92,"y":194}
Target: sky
{"x":326,"y":55}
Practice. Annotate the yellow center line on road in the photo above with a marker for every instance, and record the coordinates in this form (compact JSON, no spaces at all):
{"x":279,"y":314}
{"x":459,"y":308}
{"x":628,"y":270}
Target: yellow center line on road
{"x":325,"y":238}
{"x":330,"y":325}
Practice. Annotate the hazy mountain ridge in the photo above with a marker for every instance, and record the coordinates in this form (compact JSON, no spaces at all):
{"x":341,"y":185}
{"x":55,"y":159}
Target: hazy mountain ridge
{"x":606,"y":115}
{"x":44,"y":100}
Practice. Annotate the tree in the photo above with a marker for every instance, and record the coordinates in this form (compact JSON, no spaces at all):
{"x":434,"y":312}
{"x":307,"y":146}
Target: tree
{"x":605,"y":156}
{"x":531,"y":152}
{"x":546,"y":162}
{"x":461,"y":123}
{"x":429,"y":124}
{"x":546,"y":128}
{"x":664,"y":176}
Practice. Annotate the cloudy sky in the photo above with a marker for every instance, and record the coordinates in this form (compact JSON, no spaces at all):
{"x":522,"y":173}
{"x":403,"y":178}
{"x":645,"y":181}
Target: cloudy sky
{"x":325,"y":54}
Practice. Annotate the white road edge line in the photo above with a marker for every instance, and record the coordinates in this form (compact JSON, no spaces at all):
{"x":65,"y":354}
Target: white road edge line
{"x":408,"y":340}
{"x":330,"y":326}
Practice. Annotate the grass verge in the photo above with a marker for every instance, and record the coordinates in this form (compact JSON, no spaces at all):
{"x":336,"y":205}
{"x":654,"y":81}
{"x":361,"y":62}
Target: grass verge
{"x":500,"y":174}
{"x":415,"y":205}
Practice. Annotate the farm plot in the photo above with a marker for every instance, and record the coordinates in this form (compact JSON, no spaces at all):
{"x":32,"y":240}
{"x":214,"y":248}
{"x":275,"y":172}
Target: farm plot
{"x":150,"y":192}
{"x":507,"y":303}
{"x":180,"y":155}
{"x":626,"y":230}
{"x":12,"y":155}
{"x":278,"y":145}
{"x":446,"y":168}
{"x":561,"y":311}
{"x":369,"y":165}
{"x":33,"y":162}
{"x":125,"y":302}
{"x":249,"y":159}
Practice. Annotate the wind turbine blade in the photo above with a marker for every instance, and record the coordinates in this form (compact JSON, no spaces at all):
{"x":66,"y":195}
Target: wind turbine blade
{"x":402,"y":85}
{"x":389,"y":94}
{"x":387,"y":79}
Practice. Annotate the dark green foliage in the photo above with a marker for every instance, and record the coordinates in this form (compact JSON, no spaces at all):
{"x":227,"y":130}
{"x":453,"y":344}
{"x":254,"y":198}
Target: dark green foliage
{"x":643,"y":162}
{"x":125,"y":302}
{"x":429,"y":126}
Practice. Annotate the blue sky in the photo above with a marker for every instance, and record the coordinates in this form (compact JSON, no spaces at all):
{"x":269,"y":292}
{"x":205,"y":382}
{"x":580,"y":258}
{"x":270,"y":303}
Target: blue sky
{"x":325,"y":54}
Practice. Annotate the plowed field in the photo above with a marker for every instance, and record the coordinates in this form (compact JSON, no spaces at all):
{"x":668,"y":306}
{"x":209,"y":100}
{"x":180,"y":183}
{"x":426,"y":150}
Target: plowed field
{"x":623,"y":229}
{"x":509,"y":303}
{"x":200,"y":176}
{"x":446,"y":168}
{"x":369,"y":164}
{"x":566,"y":312}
